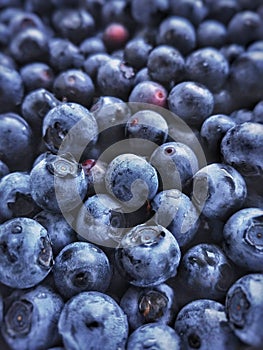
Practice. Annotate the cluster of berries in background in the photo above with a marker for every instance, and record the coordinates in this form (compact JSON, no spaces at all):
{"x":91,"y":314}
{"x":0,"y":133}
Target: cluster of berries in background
{"x":131,"y":174}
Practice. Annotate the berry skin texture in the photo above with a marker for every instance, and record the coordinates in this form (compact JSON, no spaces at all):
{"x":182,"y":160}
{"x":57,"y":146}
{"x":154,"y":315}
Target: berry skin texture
{"x":149,"y":92}
{"x":131,"y":180}
{"x":242,"y":239}
{"x":203,"y":322}
{"x":79,"y":267}
{"x":96,"y":319}
{"x":242,"y":147}
{"x":191,"y":101}
{"x":244,"y":305}
{"x":218,"y":191}
{"x":154,"y":336}
{"x":147,"y":255}
{"x":26,"y":253}
{"x":31,"y":319}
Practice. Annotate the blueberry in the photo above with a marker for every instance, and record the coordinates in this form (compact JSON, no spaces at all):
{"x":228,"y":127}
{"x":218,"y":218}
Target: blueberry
{"x":245,"y":27}
{"x":35,"y":106}
{"x":37,"y":75}
{"x":148,"y":255}
{"x":174,"y":210}
{"x":64,"y":54}
{"x":95,"y":319}
{"x":73,"y":24}
{"x":242,"y":238}
{"x":101,"y":220}
{"x":16,"y":147}
{"x":154,"y":336}
{"x":115,"y":36}
{"x":176,"y":163}
{"x":74,"y":85}
{"x":242,"y":147}
{"x":149,"y":92}
{"x":141,"y":75}
{"x":257,"y":112}
{"x":211,"y":33}
{"x":91,"y":46}
{"x":149,"y":12}
{"x":81,"y":266}
{"x":115,"y":78}
{"x":58,"y":183}
{"x":177,"y":32}
{"x":256,"y":46}
{"x":6,"y":60}
{"x":146,"y":129}
{"x":29,"y":45}
{"x":212,"y":132}
{"x":232,"y":51}
{"x":131,"y":179}
{"x":206,"y":272}
{"x":223,"y":10}
{"x":203,"y":322}
{"x":92,"y":64}
{"x":218,"y":191}
{"x":244,"y":308}
{"x":15,"y":196}
{"x":71,"y":118}
{"x":31,"y":319}
{"x":166,"y":64}
{"x":194,"y":10}
{"x":191,"y":101}
{"x":26,"y":253}
{"x":4,"y":170}
{"x":59,"y":230}
{"x":242,"y":115}
{"x":116,"y":11}
{"x":147,"y":305}
{"x":95,"y":172}
{"x":136,"y":52}
{"x":209,"y":67}
{"x":12,"y":89}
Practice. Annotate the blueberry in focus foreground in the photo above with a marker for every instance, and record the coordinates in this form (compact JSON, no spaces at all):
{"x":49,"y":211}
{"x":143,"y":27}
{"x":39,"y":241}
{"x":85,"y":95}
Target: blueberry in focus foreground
{"x":31,"y":319}
{"x":26,"y":253}
{"x":147,"y":255}
{"x":93,"y":318}
{"x":244,"y":308}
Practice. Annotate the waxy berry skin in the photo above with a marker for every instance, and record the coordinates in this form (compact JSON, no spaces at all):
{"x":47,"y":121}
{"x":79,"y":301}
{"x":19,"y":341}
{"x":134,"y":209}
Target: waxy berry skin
{"x":244,"y":308}
{"x":147,"y":255}
{"x":26,"y":253}
{"x":96,"y":319}
{"x":31,"y":319}
{"x":243,"y":239}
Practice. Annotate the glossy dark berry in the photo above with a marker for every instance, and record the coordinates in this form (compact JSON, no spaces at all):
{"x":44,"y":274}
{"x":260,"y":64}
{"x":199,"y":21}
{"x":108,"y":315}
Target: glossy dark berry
{"x":37,"y":75}
{"x":211,"y":33}
{"x":26,"y":253}
{"x":91,"y":46}
{"x":92,"y":64}
{"x":136,"y":52}
{"x":149,"y":92}
{"x":115,"y":36}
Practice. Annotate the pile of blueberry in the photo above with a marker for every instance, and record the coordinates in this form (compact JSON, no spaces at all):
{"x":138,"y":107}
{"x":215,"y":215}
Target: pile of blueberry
{"x":131,"y":174}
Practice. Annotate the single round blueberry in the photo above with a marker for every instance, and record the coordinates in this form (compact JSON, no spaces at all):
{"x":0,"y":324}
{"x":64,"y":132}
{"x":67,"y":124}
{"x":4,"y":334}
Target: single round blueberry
{"x":37,"y":75}
{"x":74,"y":85}
{"x":211,"y":33}
{"x":218,"y":191}
{"x":4,"y":170}
{"x":177,"y":32}
{"x":58,"y":183}
{"x":207,"y":66}
{"x":96,"y":319}
{"x":203,"y":322}
{"x":146,"y":130}
{"x":16,"y":147}
{"x":26,"y":253}
{"x":131,"y":179}
{"x":136,"y":52}
{"x":243,"y":238}
{"x":24,"y":20}
{"x":93,"y":63}
{"x":93,"y":45}
{"x":206,"y":272}
{"x":69,"y":127}
{"x":79,"y":267}
{"x":166,"y":64}
{"x":148,"y":255}
{"x":154,"y":336}
{"x":31,"y":319}
{"x":191,"y":101}
{"x":174,"y":210}
{"x":242,"y":147}
{"x":149,"y":92}
{"x":115,"y":36}
{"x":244,"y":308}
{"x":194,"y":10}
{"x":176,"y":163}
{"x":257,"y":112}
{"x":101,"y":221}
{"x":148,"y":305}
